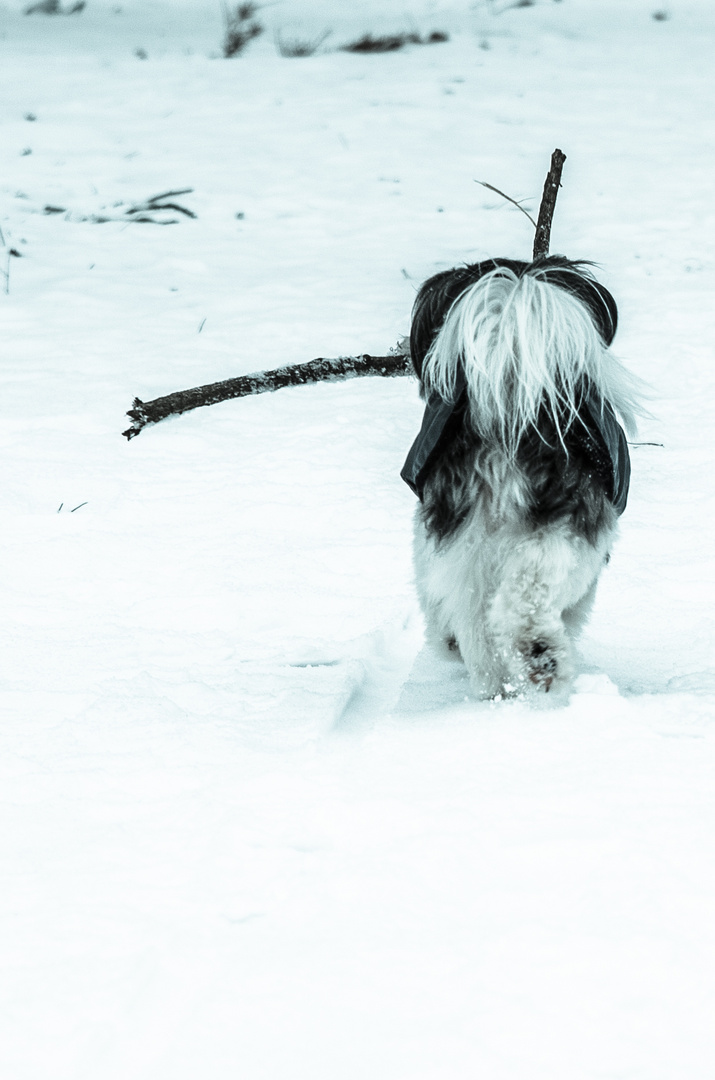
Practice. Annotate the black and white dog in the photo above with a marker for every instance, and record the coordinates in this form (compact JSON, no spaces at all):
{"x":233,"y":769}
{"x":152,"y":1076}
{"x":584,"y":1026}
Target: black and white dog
{"x":521,"y":465}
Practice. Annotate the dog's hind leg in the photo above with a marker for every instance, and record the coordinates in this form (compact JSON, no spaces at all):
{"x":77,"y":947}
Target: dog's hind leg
{"x":544,"y":574}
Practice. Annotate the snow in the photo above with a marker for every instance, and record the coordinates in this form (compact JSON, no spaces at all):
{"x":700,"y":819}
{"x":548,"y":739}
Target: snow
{"x":251,"y":828}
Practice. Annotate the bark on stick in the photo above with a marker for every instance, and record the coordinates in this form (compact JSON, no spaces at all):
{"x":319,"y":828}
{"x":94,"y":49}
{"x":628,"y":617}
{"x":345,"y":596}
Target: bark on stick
{"x":542,"y":239}
{"x":259,"y":382}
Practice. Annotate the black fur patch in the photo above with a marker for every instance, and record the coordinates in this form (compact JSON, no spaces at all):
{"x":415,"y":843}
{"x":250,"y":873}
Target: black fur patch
{"x":563,"y":482}
{"x":558,"y":481}
{"x":450,"y":489}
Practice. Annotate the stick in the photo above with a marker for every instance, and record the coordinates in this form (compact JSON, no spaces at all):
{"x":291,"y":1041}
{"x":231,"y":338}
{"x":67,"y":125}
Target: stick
{"x":321,"y":369}
{"x":542,"y":238}
{"x":258,"y":382}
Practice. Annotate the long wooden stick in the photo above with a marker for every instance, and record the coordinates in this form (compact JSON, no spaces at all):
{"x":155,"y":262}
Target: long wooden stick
{"x":322,"y":369}
{"x":258,"y":382}
{"x":542,"y":239}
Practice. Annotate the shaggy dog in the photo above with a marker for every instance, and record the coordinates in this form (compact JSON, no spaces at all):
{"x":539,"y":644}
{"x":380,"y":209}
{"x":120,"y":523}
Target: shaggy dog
{"x":521,"y":466}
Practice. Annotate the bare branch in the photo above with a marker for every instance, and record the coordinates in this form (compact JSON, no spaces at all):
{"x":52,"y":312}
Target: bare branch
{"x":321,"y":369}
{"x":542,"y":238}
{"x":259,"y":382}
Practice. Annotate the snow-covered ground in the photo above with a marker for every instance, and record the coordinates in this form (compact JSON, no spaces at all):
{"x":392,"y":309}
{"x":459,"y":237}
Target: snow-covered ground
{"x":250,"y":828}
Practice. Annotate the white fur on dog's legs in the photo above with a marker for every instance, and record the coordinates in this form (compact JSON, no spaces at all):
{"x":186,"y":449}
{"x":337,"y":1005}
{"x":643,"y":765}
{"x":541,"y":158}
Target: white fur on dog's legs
{"x":512,"y":599}
{"x":548,"y":573}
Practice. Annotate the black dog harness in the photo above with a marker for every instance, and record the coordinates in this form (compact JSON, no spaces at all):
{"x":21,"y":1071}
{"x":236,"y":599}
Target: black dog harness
{"x":598,"y":436}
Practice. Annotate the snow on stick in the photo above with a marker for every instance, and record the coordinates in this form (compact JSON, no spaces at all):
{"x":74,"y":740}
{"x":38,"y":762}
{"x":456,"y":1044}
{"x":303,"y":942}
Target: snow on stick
{"x":542,"y":239}
{"x":259,"y":382}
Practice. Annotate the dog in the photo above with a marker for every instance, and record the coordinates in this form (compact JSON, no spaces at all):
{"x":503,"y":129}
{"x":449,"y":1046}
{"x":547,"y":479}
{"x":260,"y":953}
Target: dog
{"x":521,"y":466}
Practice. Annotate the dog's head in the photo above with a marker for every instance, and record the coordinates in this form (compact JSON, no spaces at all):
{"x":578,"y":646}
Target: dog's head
{"x":502,"y":346}
{"x":440,"y":292}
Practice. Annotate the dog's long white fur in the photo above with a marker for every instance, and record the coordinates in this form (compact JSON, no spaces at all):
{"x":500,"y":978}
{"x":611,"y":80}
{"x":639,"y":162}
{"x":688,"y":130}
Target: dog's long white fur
{"x":499,"y":590}
{"x":524,"y":343}
{"x":512,"y":595}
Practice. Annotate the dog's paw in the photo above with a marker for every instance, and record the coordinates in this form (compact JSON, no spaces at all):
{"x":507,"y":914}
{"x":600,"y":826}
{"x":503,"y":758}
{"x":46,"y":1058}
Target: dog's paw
{"x":542,"y":664}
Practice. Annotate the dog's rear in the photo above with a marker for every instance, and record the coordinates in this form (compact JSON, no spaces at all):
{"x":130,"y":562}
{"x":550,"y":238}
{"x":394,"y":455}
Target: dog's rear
{"x":518,"y":512}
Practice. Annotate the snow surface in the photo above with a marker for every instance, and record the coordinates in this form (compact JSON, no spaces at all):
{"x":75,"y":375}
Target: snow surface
{"x":250,"y":828}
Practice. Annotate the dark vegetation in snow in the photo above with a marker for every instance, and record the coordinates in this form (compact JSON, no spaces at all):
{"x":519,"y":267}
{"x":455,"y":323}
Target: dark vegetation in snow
{"x":240,"y":28}
{"x":368,"y":43}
